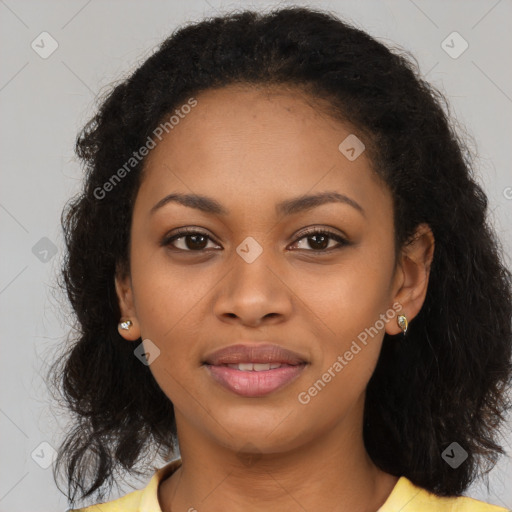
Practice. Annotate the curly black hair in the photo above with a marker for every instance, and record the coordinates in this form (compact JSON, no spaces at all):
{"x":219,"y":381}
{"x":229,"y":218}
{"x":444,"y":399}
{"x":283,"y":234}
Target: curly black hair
{"x":446,"y":381}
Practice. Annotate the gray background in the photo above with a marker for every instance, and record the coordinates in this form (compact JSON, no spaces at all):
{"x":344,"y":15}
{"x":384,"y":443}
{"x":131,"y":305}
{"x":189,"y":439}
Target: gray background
{"x":43,"y":104}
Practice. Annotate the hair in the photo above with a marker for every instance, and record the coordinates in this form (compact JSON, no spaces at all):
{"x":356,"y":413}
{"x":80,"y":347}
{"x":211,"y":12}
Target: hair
{"x":445,"y":381}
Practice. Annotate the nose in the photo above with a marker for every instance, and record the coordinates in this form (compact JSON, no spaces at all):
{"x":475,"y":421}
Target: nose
{"x":254,"y":294}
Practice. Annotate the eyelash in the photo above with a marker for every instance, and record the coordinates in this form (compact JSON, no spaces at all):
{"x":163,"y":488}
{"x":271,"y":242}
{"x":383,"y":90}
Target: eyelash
{"x":183,"y":232}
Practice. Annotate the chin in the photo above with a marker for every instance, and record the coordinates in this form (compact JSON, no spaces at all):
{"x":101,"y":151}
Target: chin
{"x":262,"y":436}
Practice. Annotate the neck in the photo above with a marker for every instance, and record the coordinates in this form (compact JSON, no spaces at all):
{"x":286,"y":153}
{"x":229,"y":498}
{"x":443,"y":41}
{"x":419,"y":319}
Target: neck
{"x":332,"y":473}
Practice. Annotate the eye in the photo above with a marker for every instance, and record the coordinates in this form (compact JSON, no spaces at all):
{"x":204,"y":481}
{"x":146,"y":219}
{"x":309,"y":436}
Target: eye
{"x":319,"y":238}
{"x":193,"y":240}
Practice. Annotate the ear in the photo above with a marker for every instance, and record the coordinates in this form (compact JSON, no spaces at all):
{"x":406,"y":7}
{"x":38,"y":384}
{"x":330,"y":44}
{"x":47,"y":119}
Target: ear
{"x":412,"y":275}
{"x":124,"y":293}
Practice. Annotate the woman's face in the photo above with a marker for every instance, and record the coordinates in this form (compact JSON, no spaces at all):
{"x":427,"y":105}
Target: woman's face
{"x":249,"y":275}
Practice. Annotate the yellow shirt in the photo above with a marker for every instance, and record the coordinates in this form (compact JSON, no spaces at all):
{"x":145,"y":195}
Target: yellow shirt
{"x":405,"y":497}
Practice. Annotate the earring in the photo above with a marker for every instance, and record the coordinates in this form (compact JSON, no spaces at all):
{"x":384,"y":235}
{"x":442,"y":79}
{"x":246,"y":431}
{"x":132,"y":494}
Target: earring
{"x":402,"y":322}
{"x":125,"y":325}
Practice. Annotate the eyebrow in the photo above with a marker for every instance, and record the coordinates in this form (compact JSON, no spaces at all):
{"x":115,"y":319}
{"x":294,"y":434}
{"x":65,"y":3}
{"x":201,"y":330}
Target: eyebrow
{"x":288,"y":207}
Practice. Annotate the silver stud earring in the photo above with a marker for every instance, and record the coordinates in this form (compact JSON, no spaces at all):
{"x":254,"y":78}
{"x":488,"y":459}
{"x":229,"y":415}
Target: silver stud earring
{"x":402,"y":322}
{"x":125,"y":325}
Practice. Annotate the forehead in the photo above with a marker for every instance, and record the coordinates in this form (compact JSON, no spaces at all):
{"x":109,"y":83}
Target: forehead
{"x":256,"y":143}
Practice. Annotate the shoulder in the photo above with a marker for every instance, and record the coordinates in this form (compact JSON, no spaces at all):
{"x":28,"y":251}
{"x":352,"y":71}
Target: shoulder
{"x":407,"y":497}
{"x":142,"y":500}
{"x":127,"y":503}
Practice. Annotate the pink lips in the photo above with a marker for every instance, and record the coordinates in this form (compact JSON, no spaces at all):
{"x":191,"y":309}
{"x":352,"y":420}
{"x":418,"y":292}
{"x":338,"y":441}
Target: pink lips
{"x":252,"y":383}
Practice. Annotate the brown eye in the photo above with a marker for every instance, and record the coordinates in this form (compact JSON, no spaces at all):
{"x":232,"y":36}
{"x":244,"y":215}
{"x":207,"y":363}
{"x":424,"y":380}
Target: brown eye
{"x":188,"y":240}
{"x":319,"y":239}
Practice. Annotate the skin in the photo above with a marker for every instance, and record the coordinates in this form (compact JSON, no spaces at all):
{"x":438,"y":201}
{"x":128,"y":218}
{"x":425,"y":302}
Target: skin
{"x":250,"y":148}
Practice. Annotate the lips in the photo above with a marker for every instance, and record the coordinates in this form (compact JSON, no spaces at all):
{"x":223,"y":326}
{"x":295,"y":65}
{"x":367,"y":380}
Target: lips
{"x":259,"y":354}
{"x":254,"y":370}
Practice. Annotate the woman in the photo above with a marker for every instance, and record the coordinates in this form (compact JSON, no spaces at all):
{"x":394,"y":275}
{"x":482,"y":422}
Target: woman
{"x":282,"y":269}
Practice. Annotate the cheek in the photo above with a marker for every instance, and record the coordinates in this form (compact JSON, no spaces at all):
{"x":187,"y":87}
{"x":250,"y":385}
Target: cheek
{"x":168,"y":295}
{"x":344,"y":309}
{"x":165,"y":306}
{"x":351,"y":338}
{"x":333,"y":392}
{"x":343,"y":300}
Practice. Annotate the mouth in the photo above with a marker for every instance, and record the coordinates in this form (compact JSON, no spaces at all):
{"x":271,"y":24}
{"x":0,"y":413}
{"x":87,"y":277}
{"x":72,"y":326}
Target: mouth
{"x":254,"y":370}
{"x":256,"y":367}
{"x":245,"y":380}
